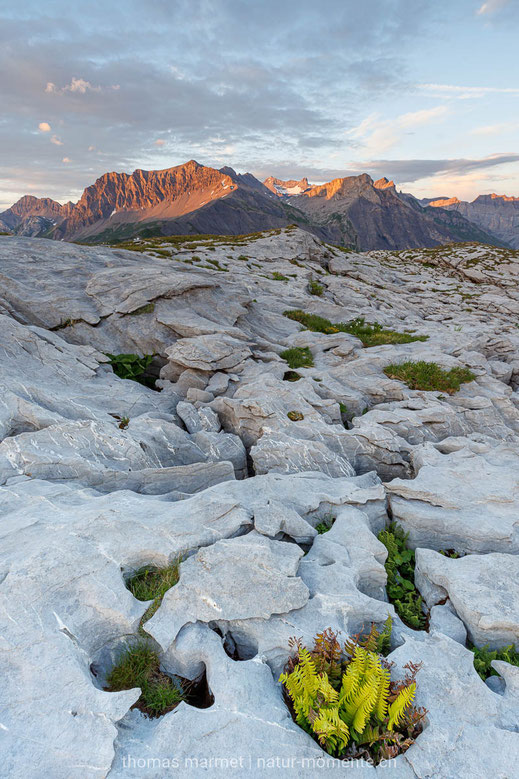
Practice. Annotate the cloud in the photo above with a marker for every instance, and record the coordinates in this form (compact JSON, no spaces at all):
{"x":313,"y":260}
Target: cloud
{"x":465,"y":93}
{"x":376,"y":135}
{"x":159,"y":142}
{"x":56,"y":141}
{"x":78,"y":85}
{"x":496,"y":129}
{"x":44,"y":127}
{"x":491,"y":6}
{"x":408,"y":171}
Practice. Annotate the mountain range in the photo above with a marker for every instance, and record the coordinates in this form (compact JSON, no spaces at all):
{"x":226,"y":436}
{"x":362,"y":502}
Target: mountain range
{"x":355,"y":211}
{"x":497,"y":214}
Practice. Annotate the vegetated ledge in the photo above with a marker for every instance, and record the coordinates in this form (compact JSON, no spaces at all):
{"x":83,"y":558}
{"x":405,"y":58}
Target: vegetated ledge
{"x":370,"y":333}
{"x":429,"y":376}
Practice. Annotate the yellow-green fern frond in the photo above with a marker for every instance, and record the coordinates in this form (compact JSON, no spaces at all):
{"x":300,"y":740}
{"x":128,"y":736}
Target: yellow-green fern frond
{"x":365,"y":703}
{"x":329,"y":695}
{"x":331,"y":731}
{"x":350,"y":684}
{"x":398,"y":707}
{"x":382,"y":695}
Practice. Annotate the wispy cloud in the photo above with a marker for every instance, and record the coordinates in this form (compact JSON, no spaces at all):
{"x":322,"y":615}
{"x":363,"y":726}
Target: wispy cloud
{"x":377,"y":135}
{"x":78,"y":85}
{"x":464,"y":93}
{"x":491,"y":6}
{"x":496,"y":129}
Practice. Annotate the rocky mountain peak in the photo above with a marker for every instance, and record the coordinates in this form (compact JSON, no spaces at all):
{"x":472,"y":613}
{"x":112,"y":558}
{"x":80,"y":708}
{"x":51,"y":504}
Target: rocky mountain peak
{"x":384,"y":183}
{"x":290,"y":188}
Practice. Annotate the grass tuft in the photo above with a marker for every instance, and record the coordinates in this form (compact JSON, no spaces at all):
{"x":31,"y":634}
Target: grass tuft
{"x":139,"y":666}
{"x":370,"y":333}
{"x":325,"y":525}
{"x":298,"y":357}
{"x":429,"y":376}
{"x":149,"y":308}
{"x":315,"y":288}
{"x":149,"y":583}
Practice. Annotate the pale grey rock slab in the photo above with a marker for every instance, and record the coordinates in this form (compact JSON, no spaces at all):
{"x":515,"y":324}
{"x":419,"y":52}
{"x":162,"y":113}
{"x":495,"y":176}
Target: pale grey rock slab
{"x":444,"y":619}
{"x":44,"y":381}
{"x":108,"y":458}
{"x":279,"y":453}
{"x":197,"y":420}
{"x":472,"y":719}
{"x":208,"y":352}
{"x":483,"y":590}
{"x":346,"y":558}
{"x":239,"y":578}
{"x":219,"y":447}
{"x":275,"y":519}
{"x":439,"y":506}
{"x":218,"y":383}
{"x":194,"y":395}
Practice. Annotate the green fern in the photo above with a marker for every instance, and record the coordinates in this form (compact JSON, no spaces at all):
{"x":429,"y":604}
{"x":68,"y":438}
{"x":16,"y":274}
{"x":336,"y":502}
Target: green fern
{"x":361,"y":705}
{"x":483,"y":657}
{"x":400,"y":565}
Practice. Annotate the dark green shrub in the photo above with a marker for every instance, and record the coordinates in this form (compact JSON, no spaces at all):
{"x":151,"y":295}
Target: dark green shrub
{"x":131,"y":366}
{"x":400,"y":586}
{"x":483,"y":656}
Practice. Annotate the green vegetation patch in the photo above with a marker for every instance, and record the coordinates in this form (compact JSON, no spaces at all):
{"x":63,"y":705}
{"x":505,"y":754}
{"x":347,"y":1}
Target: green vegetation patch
{"x":279,"y":276}
{"x":150,"y":583}
{"x":132,"y":366}
{"x":315,"y":288}
{"x":344,"y":697}
{"x":295,"y":416}
{"x":370,"y":333}
{"x":400,"y":565}
{"x":139,"y":666}
{"x":298,"y":357}
{"x":429,"y":376}
{"x":325,"y":525}
{"x":483,"y":657}
{"x":149,"y":308}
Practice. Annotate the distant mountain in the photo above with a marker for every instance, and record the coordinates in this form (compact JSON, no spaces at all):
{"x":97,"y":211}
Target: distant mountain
{"x":498,"y":214}
{"x":189,"y":198}
{"x":365,"y":214}
{"x":193,"y":198}
{"x":286,"y":188}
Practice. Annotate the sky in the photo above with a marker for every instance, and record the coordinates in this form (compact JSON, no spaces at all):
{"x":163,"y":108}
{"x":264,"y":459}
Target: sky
{"x":424,"y":92}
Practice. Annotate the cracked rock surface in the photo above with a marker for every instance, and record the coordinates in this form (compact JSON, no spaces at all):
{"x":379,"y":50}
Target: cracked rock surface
{"x":100,"y":476}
